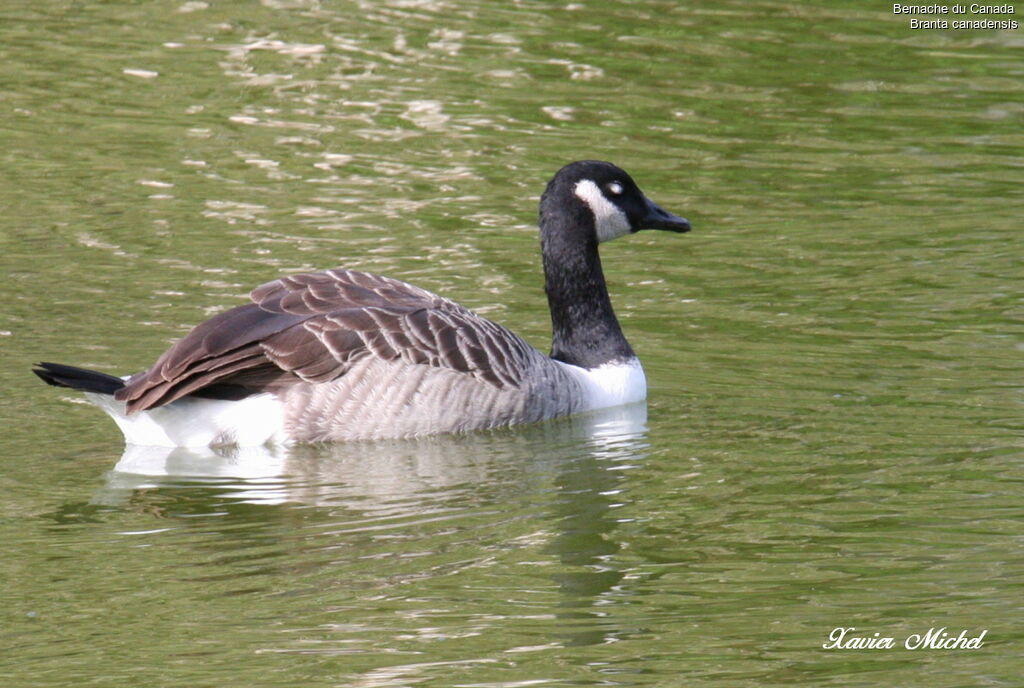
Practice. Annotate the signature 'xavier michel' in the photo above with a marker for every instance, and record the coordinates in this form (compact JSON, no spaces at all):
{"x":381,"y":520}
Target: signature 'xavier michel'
{"x":345,"y":355}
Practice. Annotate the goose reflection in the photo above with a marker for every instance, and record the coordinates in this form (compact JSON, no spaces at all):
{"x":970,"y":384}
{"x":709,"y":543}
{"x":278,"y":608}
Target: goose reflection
{"x":382,"y":477}
{"x":569,"y":473}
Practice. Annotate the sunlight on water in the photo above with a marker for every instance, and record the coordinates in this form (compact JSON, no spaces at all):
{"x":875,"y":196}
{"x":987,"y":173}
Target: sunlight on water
{"x":832,"y":437}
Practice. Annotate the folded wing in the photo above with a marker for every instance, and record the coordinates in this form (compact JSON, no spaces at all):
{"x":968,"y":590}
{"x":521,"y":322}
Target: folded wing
{"x":314,"y":327}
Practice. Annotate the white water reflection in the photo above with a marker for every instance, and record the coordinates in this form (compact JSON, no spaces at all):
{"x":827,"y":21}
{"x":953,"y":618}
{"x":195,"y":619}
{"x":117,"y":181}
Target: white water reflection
{"x":386,"y":477}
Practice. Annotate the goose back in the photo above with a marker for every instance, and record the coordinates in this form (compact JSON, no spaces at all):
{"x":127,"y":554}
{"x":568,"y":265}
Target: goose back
{"x":346,"y":351}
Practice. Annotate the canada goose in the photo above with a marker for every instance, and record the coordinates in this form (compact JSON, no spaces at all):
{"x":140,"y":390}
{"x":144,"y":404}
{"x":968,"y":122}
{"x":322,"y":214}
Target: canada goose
{"x":345,"y":355}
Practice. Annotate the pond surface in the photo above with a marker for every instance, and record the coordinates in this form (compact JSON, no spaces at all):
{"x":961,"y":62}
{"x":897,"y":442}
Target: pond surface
{"x":833,"y":436}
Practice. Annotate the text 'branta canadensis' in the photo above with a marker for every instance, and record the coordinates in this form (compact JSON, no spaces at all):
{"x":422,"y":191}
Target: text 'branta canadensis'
{"x":346,"y":355}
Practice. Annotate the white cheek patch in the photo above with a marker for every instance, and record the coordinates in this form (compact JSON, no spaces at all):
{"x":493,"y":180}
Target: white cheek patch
{"x":609,"y":220}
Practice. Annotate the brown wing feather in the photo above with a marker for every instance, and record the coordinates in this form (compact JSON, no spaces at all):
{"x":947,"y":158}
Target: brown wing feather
{"x":315,"y":326}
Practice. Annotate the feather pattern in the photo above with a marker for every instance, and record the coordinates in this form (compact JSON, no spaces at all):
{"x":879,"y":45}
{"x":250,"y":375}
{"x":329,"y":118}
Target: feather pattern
{"x":328,"y":339}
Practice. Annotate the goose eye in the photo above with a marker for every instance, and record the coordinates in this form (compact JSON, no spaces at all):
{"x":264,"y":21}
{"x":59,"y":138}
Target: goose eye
{"x":614,"y":188}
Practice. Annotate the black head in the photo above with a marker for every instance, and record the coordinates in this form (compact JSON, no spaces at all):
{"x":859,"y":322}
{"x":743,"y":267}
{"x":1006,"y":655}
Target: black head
{"x":617,"y":204}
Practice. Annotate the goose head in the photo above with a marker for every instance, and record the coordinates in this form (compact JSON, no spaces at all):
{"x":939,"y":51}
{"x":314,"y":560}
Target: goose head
{"x":604,"y":199}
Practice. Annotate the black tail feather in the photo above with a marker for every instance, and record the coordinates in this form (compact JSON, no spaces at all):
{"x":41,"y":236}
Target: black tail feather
{"x":60,"y":375}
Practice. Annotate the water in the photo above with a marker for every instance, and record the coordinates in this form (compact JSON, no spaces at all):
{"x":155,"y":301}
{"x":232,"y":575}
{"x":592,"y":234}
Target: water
{"x":833,"y":435}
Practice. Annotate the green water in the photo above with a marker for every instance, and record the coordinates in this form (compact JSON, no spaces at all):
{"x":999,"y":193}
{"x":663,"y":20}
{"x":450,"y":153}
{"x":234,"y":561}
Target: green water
{"x":834,"y":354}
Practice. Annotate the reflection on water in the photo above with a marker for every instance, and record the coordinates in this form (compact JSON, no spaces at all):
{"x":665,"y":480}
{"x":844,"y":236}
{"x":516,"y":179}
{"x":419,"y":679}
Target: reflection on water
{"x":588,"y":490}
{"x":382,"y":478}
{"x":569,"y":469}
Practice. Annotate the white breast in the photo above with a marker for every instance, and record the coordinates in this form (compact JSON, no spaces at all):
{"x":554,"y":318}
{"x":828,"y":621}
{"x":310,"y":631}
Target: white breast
{"x":611,"y":384}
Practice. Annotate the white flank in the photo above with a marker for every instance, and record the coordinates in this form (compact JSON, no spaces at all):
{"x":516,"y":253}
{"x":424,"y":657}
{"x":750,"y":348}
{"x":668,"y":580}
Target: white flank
{"x":193,"y":422}
{"x":609,"y":220}
{"x":612,"y":384}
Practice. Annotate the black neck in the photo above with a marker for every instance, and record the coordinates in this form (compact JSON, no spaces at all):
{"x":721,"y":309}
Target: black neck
{"x":585,"y":331}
